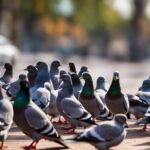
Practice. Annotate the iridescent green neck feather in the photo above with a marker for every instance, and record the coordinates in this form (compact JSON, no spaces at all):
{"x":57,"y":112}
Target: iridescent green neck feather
{"x":114,"y":89}
{"x":22,"y":98}
{"x":88,"y":89}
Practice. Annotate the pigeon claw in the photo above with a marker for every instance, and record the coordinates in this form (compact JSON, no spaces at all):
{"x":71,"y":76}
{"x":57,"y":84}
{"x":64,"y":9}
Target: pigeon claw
{"x":144,"y":127}
{"x":29,"y":147}
{"x":32,"y":146}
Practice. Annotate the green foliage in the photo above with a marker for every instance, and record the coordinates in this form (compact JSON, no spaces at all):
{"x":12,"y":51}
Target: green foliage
{"x":90,"y":14}
{"x":93,"y":15}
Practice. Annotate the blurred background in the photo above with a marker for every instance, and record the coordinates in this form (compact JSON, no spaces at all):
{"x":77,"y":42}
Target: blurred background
{"x":118,"y":30}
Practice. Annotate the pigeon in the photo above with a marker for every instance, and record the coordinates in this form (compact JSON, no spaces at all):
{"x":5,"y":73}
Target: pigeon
{"x":62,"y":72}
{"x":77,"y":85}
{"x":32,"y":121}
{"x":70,"y":108}
{"x":39,"y":94}
{"x":54,"y":95}
{"x":102,"y":84}
{"x":144,"y":92}
{"x":102,"y":87}
{"x":106,"y":134}
{"x":137,"y":107}
{"x":13,"y":88}
{"x":7,"y":76}
{"x":32,"y":74}
{"x":116,"y":101}
{"x":54,"y":73}
{"x":89,"y":99}
{"x":82,"y":70}
{"x":6,"y":118}
{"x":72,"y":68}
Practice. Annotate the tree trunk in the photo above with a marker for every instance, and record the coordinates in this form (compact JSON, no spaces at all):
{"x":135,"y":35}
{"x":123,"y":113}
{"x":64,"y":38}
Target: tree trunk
{"x":136,"y":53}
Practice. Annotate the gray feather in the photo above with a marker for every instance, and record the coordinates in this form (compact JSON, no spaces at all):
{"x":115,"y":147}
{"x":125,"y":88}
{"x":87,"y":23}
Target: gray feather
{"x":106,"y":134}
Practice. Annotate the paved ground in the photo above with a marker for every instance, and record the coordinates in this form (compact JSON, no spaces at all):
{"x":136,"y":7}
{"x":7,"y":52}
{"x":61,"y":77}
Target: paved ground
{"x":132,"y":75}
{"x":136,"y":140}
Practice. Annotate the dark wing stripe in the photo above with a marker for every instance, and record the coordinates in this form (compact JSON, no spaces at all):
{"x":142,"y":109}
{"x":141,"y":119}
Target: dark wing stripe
{"x":42,"y":129}
{"x":54,"y":135}
{"x":88,"y":138}
{"x":83,"y":116}
{"x":86,"y":118}
{"x":103,"y":112}
{"x":106,"y":114}
{"x":48,"y":132}
{"x":109,"y":116}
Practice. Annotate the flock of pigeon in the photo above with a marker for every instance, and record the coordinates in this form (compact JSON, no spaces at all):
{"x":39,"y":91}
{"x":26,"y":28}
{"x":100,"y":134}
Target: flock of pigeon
{"x":35,"y":99}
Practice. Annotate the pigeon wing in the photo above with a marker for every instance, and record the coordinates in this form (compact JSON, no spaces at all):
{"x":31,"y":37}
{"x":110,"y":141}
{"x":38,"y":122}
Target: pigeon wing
{"x":72,"y":107}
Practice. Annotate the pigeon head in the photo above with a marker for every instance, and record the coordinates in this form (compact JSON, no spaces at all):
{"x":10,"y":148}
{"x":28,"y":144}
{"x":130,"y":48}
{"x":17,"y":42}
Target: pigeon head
{"x":22,"y":77}
{"x":62,"y":72}
{"x":86,"y":76}
{"x":66,"y":78}
{"x":72,"y":67}
{"x":31,"y":69}
{"x":67,"y":84}
{"x":75,"y":79}
{"x":56,"y":64}
{"x":120,"y":118}
{"x":8,"y":74}
{"x":116,"y":76}
{"x":41,"y":65}
{"x":102,"y":84}
{"x":100,"y":79}
{"x":7,"y":66}
{"x":146,"y":84}
{"x":82,"y":70}
{"x":32,"y":74}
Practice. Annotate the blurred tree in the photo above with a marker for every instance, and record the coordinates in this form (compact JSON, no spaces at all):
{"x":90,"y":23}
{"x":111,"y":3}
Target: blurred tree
{"x":99,"y":19}
{"x":136,"y":45}
{"x":26,"y":22}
